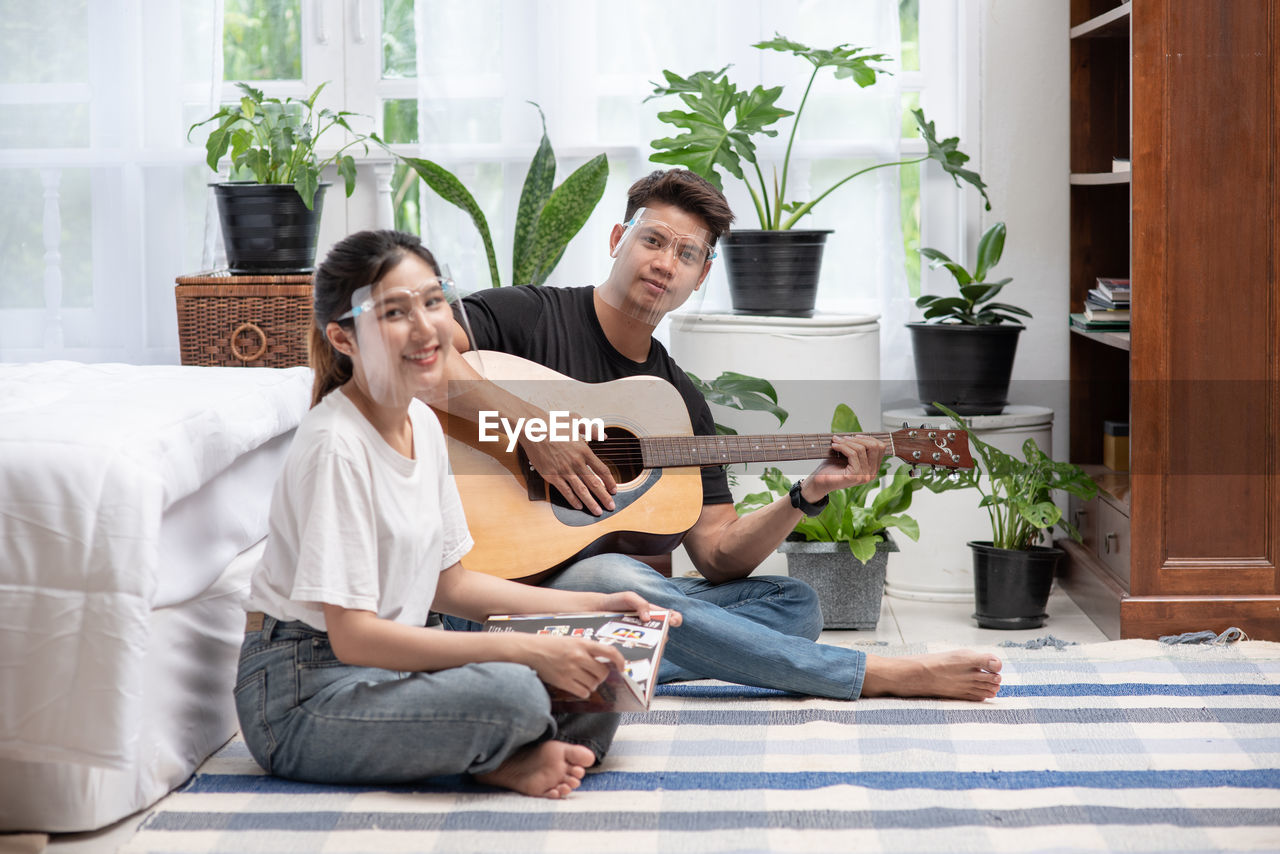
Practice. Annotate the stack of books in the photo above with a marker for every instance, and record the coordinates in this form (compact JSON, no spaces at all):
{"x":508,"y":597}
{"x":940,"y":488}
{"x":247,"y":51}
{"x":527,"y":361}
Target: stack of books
{"x":1106,"y":307}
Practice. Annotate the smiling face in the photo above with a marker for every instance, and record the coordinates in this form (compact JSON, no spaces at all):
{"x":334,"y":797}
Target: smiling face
{"x":660,"y":258}
{"x":401,"y":326}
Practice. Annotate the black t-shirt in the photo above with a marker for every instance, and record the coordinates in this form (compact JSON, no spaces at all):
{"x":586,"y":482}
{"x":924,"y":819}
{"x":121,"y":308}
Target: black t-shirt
{"x":558,"y":328}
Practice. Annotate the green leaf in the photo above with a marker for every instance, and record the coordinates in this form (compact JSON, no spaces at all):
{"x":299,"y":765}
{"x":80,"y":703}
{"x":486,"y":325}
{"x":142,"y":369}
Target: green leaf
{"x":566,"y":211}
{"x":905,"y":524}
{"x":864,"y":547}
{"x":538,"y":182}
{"x":741,"y":392}
{"x":347,"y":169}
{"x":711,"y":141}
{"x":990,"y":248}
{"x":446,"y":185}
{"x":306,"y":184}
{"x":848,"y":61}
{"x":948,"y":155}
{"x":843,"y":420}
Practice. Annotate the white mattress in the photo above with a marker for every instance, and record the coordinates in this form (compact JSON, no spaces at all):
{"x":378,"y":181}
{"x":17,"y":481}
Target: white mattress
{"x":124,"y":491}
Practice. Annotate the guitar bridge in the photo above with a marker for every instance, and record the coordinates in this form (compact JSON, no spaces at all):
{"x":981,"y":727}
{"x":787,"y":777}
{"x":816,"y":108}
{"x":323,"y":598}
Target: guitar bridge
{"x":535,"y":484}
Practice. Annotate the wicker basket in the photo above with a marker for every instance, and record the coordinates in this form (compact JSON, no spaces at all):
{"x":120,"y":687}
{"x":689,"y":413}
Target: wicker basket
{"x":243,"y":321}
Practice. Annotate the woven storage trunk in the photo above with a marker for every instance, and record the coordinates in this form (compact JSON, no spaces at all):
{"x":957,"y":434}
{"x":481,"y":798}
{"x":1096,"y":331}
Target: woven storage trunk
{"x":244,"y":321}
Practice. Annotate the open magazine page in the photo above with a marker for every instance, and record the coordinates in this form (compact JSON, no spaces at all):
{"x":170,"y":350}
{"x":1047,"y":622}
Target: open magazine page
{"x":640,"y":642}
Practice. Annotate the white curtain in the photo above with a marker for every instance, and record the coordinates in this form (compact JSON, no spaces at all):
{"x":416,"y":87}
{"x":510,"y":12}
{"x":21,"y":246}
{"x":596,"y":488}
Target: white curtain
{"x":589,"y":66}
{"x":105,"y":199}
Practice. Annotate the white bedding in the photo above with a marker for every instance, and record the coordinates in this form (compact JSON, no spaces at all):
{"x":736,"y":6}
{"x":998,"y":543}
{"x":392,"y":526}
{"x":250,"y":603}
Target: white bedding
{"x":123,"y":490}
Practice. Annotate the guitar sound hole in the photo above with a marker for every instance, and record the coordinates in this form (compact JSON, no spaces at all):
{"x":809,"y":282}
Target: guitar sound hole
{"x":620,"y":451}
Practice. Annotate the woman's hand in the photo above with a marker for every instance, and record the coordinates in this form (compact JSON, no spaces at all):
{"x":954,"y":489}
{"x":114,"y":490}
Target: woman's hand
{"x":570,"y":664}
{"x":628,"y":601}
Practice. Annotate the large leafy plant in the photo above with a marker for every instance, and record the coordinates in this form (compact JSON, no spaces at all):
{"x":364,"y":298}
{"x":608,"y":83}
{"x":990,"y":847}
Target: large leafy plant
{"x":742,"y":392}
{"x":973,"y":307}
{"x":547,"y":217}
{"x":852,"y":514}
{"x":273,"y":141}
{"x":722,"y":120}
{"x":1017,"y":493}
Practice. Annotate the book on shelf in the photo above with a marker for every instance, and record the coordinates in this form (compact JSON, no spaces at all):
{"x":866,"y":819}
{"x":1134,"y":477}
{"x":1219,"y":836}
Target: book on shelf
{"x":1112,"y":288}
{"x":1092,"y":312}
{"x":640,"y":641}
{"x":1079,"y":321}
{"x":1097,"y":298}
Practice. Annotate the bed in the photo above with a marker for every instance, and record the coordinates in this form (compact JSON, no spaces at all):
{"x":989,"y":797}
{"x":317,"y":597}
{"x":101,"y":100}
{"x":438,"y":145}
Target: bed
{"x":133,"y":502}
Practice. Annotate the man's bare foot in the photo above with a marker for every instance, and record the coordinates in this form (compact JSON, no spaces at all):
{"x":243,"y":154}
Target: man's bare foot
{"x":551,"y":769}
{"x":955,"y":675}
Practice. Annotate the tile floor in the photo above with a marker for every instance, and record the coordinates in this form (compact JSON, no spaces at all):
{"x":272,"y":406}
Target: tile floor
{"x":902,"y":621}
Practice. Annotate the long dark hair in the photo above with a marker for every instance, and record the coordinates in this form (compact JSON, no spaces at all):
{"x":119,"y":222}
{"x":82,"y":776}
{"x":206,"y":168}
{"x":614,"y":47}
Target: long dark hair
{"x":357,"y":260}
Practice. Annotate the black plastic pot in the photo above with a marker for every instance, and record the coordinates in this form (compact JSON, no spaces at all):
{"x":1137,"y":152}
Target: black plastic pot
{"x":773,"y":272}
{"x":266,"y":228}
{"x":1011,"y":586}
{"x":964,"y":367}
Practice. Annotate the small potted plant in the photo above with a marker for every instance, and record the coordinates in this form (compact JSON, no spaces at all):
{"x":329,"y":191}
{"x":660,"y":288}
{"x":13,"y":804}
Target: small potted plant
{"x":965,"y":347}
{"x":1012,"y":573}
{"x":270,"y":205}
{"x":719,"y":128}
{"x":843,"y":552}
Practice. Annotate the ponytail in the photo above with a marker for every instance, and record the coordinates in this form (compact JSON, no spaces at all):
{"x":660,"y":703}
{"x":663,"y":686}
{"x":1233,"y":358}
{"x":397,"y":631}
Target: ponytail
{"x":331,"y":368}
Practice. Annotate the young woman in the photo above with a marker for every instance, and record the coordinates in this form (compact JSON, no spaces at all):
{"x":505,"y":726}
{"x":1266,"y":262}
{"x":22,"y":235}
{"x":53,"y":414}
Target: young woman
{"x":342,"y":682}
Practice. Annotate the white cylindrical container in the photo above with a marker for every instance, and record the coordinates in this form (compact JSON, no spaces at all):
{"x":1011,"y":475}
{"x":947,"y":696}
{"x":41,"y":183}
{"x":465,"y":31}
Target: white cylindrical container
{"x":939,"y":567}
{"x":814,"y":364}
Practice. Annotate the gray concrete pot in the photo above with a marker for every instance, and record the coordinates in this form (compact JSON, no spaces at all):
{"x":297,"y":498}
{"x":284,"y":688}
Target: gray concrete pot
{"x":848,"y":589}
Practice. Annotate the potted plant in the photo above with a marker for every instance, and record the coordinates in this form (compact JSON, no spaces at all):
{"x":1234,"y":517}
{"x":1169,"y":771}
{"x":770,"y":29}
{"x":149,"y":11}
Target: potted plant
{"x":1012,"y":573}
{"x":270,"y":205}
{"x":964,"y":348}
{"x":547,"y":217}
{"x":773,"y":270}
{"x":843,"y":552}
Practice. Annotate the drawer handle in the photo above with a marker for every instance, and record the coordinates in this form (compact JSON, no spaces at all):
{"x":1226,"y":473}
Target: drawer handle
{"x":1079,"y":516}
{"x":262,"y":342}
{"x":1108,"y":540}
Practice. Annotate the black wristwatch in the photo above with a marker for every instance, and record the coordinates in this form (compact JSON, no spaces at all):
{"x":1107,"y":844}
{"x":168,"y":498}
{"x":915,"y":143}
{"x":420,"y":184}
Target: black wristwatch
{"x":798,"y":502}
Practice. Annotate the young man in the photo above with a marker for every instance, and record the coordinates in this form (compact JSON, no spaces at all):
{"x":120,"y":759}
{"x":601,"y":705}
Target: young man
{"x":739,"y":628}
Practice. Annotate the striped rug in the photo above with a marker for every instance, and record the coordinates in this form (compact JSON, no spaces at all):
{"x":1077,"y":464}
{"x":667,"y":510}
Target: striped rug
{"x":1124,"y":746}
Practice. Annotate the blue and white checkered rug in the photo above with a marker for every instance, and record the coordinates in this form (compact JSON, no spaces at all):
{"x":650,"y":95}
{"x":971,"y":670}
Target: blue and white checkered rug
{"x":1132,"y":745}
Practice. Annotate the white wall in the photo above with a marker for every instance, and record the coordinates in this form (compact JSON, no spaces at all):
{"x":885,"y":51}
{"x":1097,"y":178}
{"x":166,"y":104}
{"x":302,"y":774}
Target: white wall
{"x":1022,"y":99}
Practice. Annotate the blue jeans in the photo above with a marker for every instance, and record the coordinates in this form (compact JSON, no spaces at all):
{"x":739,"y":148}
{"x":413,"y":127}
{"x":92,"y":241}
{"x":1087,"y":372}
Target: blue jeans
{"x":758,"y":630}
{"x":307,"y":716}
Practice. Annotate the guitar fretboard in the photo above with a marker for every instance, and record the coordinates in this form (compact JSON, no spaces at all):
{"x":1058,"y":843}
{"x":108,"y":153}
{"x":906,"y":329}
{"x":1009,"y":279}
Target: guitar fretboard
{"x":668,"y":451}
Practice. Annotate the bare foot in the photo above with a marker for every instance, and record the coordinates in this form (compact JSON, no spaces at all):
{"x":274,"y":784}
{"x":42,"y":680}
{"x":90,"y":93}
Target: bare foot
{"x":551,"y":769}
{"x":956,"y":675}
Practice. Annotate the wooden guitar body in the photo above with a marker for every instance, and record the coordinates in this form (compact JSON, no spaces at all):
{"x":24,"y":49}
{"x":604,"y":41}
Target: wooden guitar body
{"x":519,"y":534}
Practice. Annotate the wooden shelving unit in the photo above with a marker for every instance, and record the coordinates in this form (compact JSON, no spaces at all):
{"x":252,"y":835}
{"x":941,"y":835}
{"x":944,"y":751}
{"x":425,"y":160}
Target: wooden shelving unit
{"x":1190,"y":538}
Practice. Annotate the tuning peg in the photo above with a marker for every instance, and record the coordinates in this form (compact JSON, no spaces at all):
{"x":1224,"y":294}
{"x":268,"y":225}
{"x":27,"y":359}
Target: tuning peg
{"x":914,"y":471}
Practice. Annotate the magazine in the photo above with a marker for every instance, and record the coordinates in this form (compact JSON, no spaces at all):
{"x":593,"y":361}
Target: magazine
{"x":640,"y":642}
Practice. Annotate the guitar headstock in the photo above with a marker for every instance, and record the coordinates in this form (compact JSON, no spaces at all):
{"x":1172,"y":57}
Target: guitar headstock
{"x":943,"y":447}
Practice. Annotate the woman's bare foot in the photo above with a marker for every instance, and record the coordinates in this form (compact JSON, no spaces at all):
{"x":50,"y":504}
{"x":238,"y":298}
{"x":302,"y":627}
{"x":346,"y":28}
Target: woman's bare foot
{"x":551,"y":769}
{"x":956,"y":675}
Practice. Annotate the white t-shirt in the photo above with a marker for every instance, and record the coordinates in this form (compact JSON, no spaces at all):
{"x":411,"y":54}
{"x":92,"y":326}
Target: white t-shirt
{"x":354,"y":523}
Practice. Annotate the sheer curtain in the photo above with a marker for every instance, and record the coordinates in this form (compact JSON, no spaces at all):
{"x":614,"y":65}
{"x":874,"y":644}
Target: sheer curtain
{"x":105,"y":200}
{"x":589,"y":66}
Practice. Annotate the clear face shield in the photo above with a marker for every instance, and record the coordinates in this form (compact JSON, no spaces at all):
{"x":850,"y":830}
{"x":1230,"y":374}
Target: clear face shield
{"x":404,"y":333}
{"x":658,"y":266}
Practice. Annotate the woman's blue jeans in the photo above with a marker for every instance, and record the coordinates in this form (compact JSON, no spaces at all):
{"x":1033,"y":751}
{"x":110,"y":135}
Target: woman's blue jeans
{"x":758,"y":630}
{"x":307,"y":716}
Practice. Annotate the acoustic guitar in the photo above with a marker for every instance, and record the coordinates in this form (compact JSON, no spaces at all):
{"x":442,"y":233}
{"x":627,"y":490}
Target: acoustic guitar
{"x":523,"y":528}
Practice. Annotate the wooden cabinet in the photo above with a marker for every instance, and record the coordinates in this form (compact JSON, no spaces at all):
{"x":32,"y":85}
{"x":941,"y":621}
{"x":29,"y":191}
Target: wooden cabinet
{"x":1189,"y":539}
